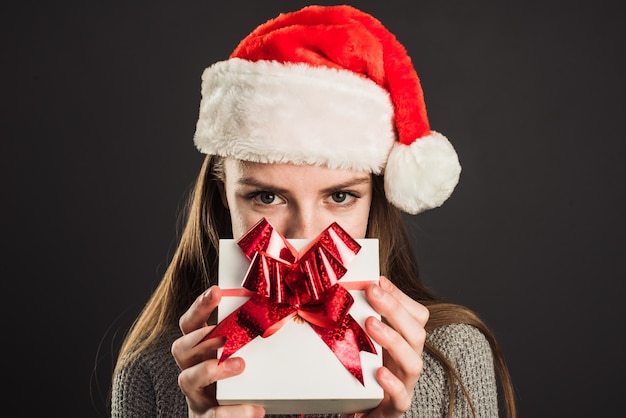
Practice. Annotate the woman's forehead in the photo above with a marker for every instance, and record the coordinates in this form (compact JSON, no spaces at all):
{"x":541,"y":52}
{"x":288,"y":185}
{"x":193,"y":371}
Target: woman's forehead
{"x":236,"y":167}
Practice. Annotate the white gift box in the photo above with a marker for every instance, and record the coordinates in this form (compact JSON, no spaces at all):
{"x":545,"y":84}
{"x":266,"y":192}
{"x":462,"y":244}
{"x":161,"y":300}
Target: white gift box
{"x":293,"y":371}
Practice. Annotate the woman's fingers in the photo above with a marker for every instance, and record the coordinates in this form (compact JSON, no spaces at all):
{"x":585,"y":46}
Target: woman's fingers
{"x":402,"y":336}
{"x":403,"y":358}
{"x":396,"y":345}
{"x":417,"y":310}
{"x":397,"y":398}
{"x":199,"y":376}
{"x":192,"y":348}
{"x":196,"y":382}
{"x":198,"y":313}
{"x":402,"y":313}
{"x":200,"y":369}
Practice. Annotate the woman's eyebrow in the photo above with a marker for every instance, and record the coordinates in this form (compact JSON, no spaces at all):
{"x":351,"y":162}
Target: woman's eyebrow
{"x":259,"y":184}
{"x":356,"y":181}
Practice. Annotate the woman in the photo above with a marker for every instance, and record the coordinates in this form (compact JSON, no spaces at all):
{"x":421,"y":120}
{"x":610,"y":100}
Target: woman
{"x":317,"y":117}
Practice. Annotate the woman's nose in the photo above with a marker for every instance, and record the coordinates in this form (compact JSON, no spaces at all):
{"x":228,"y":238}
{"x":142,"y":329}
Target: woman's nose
{"x":303,"y":225}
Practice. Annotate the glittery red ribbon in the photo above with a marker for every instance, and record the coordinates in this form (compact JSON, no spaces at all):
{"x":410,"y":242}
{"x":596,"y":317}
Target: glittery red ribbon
{"x":286,"y":283}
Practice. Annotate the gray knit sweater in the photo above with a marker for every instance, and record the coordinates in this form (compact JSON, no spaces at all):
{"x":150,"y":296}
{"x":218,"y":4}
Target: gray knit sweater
{"x":148,"y":387}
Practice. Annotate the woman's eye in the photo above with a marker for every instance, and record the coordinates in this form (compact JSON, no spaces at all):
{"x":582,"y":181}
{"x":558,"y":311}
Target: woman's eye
{"x":266,"y":198}
{"x":341,"y":197}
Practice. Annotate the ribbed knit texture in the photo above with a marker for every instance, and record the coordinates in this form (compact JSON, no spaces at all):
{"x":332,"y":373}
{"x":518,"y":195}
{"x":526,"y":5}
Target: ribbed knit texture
{"x":148,"y":387}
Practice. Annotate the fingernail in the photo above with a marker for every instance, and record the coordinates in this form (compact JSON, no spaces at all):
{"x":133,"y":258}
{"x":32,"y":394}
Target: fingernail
{"x":232,"y":365}
{"x":377,"y":325}
{"x":386,"y":375}
{"x":377,"y":291}
{"x":208,"y":294}
{"x":385,"y":283}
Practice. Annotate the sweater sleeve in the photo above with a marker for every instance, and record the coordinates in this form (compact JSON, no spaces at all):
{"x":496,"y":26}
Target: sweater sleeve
{"x":148,"y":386}
{"x":133,"y":392}
{"x":470,"y":353}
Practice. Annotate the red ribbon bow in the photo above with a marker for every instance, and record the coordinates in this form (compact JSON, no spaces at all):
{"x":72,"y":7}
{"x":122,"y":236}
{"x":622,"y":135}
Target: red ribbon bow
{"x":286,"y":284}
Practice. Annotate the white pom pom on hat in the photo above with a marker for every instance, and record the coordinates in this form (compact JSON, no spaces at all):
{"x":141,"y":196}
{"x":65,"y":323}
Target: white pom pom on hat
{"x":328,"y":85}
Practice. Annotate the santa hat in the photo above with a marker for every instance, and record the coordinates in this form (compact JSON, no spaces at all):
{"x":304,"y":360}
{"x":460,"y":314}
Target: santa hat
{"x":328,"y":86}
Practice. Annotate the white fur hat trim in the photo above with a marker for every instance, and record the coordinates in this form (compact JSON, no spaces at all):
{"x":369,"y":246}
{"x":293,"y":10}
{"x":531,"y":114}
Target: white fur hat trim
{"x":265,"y":111}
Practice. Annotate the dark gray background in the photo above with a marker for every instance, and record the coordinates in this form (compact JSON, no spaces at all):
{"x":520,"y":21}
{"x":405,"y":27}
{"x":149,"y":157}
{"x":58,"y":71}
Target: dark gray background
{"x":99,"y":104}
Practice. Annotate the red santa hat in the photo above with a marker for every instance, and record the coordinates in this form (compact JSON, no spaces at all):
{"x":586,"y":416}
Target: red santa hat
{"x":328,"y":85}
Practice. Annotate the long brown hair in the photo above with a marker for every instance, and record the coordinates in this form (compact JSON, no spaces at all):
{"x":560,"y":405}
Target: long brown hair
{"x":194,"y":268}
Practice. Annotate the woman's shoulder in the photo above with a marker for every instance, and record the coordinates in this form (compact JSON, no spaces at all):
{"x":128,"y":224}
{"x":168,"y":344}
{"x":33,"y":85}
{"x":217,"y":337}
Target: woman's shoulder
{"x":469,"y":353}
{"x":459,"y":341}
{"x":146,"y":385}
{"x":456,"y":332}
{"x":158,"y":353}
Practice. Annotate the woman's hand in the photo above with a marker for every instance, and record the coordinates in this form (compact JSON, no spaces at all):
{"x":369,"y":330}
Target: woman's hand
{"x":198,"y":361}
{"x":402,"y":337}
